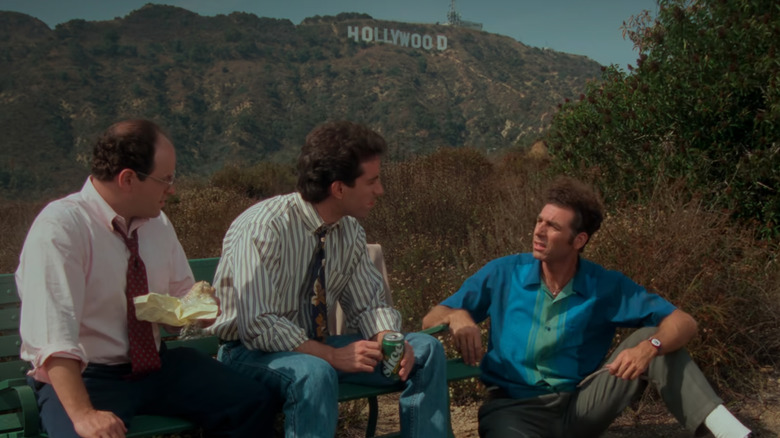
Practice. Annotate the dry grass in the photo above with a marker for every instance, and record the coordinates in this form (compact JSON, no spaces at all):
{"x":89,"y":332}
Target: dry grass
{"x":447,"y":214}
{"x":15,"y":221}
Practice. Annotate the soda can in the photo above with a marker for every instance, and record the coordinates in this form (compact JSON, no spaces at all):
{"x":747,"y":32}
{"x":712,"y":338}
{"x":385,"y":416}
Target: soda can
{"x":392,"y":353}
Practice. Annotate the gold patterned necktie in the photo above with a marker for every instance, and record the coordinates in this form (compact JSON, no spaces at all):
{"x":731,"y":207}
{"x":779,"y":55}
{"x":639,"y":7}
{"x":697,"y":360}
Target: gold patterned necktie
{"x":319,"y":308}
{"x":144,"y":356}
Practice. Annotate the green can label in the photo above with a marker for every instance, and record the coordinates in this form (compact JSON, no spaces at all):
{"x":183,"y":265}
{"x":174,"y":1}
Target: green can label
{"x":392,"y":353}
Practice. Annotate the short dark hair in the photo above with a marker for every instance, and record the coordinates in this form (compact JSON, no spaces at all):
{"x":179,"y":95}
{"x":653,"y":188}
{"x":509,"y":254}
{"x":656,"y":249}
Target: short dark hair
{"x":333,"y":152}
{"x":582,"y":199}
{"x":129,"y":144}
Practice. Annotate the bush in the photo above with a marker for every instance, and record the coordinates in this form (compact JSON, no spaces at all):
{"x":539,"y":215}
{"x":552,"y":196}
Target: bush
{"x":202,"y":215}
{"x":260,"y":181}
{"x":15,"y":222}
{"x":701,"y":107}
{"x":708,"y":266}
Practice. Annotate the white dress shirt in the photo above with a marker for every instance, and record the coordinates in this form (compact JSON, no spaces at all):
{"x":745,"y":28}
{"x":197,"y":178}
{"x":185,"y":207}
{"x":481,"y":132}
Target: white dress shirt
{"x":261,"y":275}
{"x":72,"y":275}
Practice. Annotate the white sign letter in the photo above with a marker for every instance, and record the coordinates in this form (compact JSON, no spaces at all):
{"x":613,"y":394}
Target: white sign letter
{"x":405,"y":39}
{"x":395,"y":34}
{"x":352,"y":32}
{"x":368,"y":34}
{"x":416,"y":40}
{"x":441,"y":42}
{"x":427,"y":42}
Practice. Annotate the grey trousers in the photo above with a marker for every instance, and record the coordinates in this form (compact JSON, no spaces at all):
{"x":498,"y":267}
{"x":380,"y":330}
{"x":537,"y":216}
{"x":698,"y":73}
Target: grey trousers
{"x":588,"y":411}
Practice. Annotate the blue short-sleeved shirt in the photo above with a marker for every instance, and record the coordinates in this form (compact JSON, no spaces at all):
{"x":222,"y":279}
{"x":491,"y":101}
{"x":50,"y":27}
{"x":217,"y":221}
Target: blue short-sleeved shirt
{"x":539,"y":344}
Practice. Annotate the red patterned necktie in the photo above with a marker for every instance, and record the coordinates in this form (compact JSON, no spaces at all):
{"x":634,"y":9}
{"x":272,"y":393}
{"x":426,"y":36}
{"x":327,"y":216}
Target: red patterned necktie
{"x":144,"y":357}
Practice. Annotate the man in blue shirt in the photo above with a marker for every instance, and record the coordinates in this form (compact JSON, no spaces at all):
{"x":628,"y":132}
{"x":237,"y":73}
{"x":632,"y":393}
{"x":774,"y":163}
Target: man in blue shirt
{"x":553,"y":316}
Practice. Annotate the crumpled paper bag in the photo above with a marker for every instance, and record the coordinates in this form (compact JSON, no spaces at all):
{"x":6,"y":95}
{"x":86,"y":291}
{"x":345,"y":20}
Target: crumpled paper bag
{"x":197,"y":304}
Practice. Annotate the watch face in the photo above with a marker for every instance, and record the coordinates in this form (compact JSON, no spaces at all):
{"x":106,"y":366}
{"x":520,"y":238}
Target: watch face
{"x":656,"y":343}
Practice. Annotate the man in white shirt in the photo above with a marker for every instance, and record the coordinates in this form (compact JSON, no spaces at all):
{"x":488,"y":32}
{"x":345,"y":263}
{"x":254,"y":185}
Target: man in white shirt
{"x":75,"y":268}
{"x":275,"y":308}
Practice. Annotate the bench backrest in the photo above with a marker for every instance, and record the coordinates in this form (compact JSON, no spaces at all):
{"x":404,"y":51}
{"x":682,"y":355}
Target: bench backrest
{"x":10,"y":364}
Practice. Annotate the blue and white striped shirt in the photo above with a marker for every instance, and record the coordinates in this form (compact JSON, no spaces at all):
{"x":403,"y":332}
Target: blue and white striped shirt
{"x":261,"y":275}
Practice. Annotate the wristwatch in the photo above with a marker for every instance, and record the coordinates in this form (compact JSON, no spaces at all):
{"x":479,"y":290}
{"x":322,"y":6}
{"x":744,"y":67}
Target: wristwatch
{"x":655,"y":343}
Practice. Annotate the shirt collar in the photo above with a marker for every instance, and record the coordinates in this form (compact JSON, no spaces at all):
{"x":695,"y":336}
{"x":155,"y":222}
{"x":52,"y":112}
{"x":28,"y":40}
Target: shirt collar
{"x":104,"y":211}
{"x":311,"y":219}
{"x":533,"y":278}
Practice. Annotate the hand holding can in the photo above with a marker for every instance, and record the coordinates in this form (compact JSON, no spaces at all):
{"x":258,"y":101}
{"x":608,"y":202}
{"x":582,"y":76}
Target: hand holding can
{"x":392,"y":352}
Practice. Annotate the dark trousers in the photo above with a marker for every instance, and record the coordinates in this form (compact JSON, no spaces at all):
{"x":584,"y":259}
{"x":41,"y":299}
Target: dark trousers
{"x":588,"y":411}
{"x":189,"y":385}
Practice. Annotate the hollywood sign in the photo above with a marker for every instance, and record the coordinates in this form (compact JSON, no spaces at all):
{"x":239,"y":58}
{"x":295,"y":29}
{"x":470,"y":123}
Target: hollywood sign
{"x":397,"y":37}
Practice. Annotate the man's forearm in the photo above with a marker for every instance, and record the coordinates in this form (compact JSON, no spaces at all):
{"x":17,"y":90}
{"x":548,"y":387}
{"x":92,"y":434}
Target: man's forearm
{"x":675,"y":331}
{"x":65,"y":377}
{"x":439,"y":315}
{"x":314,"y":348}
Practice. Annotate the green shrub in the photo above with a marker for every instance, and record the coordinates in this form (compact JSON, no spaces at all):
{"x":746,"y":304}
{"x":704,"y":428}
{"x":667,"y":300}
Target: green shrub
{"x":701,"y":107}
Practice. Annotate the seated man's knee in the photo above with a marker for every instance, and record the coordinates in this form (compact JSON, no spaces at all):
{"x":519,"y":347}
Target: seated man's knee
{"x":425,"y":344}
{"x":315,"y":374}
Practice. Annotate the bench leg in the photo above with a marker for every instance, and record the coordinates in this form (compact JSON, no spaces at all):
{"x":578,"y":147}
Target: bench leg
{"x":373,"y":413}
{"x":450,"y":434}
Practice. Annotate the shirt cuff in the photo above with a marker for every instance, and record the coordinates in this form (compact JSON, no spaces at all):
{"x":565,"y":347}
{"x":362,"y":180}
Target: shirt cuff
{"x":379,"y":320}
{"x":39,"y":372}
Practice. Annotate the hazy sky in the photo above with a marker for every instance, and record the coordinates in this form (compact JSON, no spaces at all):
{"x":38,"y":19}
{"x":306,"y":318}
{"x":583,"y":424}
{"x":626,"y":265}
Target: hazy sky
{"x":583,"y":27}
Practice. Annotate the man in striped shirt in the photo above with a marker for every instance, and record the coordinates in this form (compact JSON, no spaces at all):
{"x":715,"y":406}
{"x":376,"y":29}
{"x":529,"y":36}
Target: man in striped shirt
{"x":553,"y":316}
{"x":264,"y":281}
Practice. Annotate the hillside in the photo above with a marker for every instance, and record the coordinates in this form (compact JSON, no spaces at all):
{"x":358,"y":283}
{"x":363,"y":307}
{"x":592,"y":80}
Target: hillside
{"x":240,"y":88}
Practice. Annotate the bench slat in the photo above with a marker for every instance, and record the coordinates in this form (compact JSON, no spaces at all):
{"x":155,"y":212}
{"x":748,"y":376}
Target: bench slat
{"x":9,"y":402}
{"x":204,"y":269}
{"x":208,"y":345}
{"x":10,"y":423}
{"x":9,"y":346}
{"x":8,"y":289}
{"x":13,"y":369}
{"x":9,"y":319}
{"x":458,"y":370}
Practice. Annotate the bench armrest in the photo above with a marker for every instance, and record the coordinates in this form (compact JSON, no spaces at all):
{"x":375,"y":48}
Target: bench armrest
{"x":28,"y":415}
{"x":441,"y":328}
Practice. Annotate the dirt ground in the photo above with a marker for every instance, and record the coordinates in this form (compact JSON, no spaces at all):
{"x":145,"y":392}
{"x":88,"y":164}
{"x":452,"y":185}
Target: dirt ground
{"x":761,"y":413}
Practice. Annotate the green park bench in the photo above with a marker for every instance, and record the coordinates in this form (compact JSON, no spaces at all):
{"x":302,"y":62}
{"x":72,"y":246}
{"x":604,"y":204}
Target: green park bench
{"x":19,"y":410}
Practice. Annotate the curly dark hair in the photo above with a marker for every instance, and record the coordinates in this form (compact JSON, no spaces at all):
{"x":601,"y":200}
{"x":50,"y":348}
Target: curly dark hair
{"x":582,"y":199}
{"x":333,"y":152}
{"x":129,"y":144}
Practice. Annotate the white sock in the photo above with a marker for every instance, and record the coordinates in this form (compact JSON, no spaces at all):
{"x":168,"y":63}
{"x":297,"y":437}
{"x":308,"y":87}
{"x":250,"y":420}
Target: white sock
{"x":723,"y":424}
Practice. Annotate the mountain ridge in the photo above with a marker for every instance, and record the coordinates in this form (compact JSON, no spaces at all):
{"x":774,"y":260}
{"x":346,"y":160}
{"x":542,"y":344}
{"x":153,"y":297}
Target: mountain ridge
{"x":239,"y":88}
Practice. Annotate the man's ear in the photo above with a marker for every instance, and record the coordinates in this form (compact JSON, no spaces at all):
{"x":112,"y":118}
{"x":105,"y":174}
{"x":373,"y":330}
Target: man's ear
{"x":126,"y":179}
{"x":580,"y":240}
{"x":337,"y":189}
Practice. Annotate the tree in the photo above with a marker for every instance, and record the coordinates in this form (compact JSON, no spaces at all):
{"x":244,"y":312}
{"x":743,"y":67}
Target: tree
{"x":702,"y":106}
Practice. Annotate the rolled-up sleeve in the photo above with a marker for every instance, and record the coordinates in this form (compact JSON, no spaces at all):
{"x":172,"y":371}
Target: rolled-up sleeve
{"x":51,"y":284}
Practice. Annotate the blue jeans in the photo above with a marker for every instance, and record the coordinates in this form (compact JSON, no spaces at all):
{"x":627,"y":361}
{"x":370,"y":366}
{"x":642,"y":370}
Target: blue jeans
{"x":309,"y":386}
